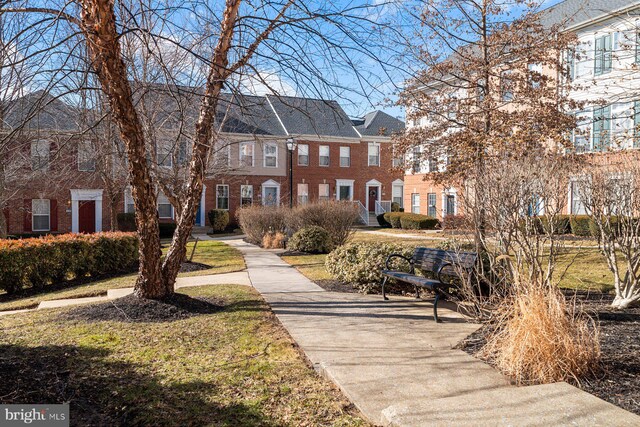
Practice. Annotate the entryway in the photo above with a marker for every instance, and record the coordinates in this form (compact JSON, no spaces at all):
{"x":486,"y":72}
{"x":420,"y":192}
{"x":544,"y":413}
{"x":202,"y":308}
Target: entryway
{"x":87,"y":216}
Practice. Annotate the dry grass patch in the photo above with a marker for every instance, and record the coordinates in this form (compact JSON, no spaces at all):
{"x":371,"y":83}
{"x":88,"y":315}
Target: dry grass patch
{"x":541,"y":339}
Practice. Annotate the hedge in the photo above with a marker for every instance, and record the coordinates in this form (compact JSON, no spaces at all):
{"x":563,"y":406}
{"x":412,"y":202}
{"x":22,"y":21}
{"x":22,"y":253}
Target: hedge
{"x":393,"y":218}
{"x":127,"y":223}
{"x":311,"y":239}
{"x":44,"y":261}
{"x":219,"y":219}
{"x":411,"y":221}
{"x":580,"y":225}
{"x":383,"y":222}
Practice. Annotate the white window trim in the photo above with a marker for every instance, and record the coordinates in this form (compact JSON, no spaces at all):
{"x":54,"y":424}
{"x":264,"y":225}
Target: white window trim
{"x":171,"y":206}
{"x":449,"y":192}
{"x":375,"y":144}
{"x":347,"y":157}
{"x":228,"y":196}
{"x":33,"y":215}
{"x":78,"y":195}
{"x":264,"y":156}
{"x":320,"y":156}
{"x":253,"y":153}
{"x":43,"y":166}
{"x":413,"y":205}
{"x":167,"y":157}
{"x":241,"y":197}
{"x":328,"y":196}
{"x":79,"y":162}
{"x":344,"y":183}
{"x":299,"y":146}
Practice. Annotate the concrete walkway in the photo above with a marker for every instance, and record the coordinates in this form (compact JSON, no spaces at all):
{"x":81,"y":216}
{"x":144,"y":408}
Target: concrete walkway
{"x":398,"y":366}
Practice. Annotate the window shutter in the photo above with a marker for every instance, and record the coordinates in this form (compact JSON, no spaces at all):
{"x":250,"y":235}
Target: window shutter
{"x":53,"y":214}
{"x":27,"y":228}
{"x":607,"y":53}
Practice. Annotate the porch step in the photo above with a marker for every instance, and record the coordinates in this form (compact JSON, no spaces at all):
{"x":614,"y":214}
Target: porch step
{"x":373,"y":220}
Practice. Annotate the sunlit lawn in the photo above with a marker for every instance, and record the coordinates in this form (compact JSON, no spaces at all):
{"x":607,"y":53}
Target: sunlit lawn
{"x":221,"y":257}
{"x":232,"y":367}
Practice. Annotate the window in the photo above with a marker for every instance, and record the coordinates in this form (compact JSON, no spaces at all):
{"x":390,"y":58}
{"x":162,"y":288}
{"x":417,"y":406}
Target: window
{"x":223,"y":155}
{"x":246,"y":195}
{"x":481,"y":90}
{"x":164,"y":156}
{"x":165,"y":210}
{"x":129,"y":206}
{"x":41,"y":214}
{"x":303,"y":194}
{"x":246,"y":154}
{"x":577,"y":207}
{"x":417,"y":157}
{"x":535,"y":75}
{"x":602,"y":63}
{"x":396,"y":194}
{"x":86,"y":159}
{"x":637,"y":53}
{"x":582,"y":132}
{"x":506,"y":86}
{"x":570,"y":59}
{"x":374,"y":154}
{"x":636,"y":124}
{"x":324,"y":155}
{"x":323,"y":192}
{"x":433,"y":165}
{"x":601,"y":128}
{"x":344,"y":192}
{"x":431,"y":205}
{"x":397,"y":159}
{"x":270,"y":155}
{"x":415,"y":203}
{"x":345,"y":157}
{"x":303,"y":155}
{"x":222,"y":196}
{"x":449,"y":204}
{"x":40,"y":151}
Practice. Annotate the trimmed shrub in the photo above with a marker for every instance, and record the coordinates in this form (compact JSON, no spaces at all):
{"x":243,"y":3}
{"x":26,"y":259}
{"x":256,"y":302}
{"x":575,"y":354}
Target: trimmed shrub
{"x":580,"y":225}
{"x":337,"y":217}
{"x":411,"y":221}
{"x":219,"y":219}
{"x":127,"y":222}
{"x":167,"y":229}
{"x":383,"y":222}
{"x":258,"y":221}
{"x":393,"y":218}
{"x":41,"y":262}
{"x":312,"y":239}
{"x":562,"y":224}
{"x":395,"y":207}
{"x":359,"y":264}
{"x":454,"y":222}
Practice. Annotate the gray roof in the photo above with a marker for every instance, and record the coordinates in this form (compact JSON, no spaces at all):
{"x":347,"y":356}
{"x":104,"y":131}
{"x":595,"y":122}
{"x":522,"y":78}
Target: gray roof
{"x":569,"y":13}
{"x":378,"y":123}
{"x":307,"y":116}
{"x":40,"y":111}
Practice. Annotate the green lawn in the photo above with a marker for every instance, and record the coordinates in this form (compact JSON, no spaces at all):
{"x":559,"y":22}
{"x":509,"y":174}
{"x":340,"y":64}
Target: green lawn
{"x":585,"y":268}
{"x":221,"y":257}
{"x":234,"y":367}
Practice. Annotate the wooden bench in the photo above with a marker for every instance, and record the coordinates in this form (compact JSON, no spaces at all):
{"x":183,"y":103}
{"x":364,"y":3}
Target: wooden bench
{"x":436,"y":261}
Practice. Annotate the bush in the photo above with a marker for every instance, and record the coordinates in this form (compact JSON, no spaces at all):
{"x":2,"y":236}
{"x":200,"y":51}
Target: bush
{"x":454,"y":222}
{"x":393,"y":218}
{"x":219,"y":219}
{"x":258,"y":221}
{"x":312,"y":239}
{"x":411,"y":221}
{"x":580,"y":225}
{"x":383,"y":222}
{"x":541,"y":339}
{"x":395,"y":207}
{"x":127,"y":222}
{"x":337,"y":217}
{"x":562,"y":224}
{"x":273,"y":240}
{"x":40,"y":262}
{"x":359,"y":264}
{"x":167,"y":229}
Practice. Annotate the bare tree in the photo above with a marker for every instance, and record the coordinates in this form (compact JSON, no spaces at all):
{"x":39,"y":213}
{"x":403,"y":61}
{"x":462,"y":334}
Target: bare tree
{"x":609,"y":189}
{"x":225,"y":41}
{"x":488,"y":87}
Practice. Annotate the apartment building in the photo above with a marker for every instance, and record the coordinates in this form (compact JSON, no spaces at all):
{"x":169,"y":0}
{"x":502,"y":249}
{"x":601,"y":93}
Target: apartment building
{"x":61,"y":181}
{"x":605,"y":71}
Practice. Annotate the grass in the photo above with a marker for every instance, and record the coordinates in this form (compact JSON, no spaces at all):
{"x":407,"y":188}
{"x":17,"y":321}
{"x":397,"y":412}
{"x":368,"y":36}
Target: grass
{"x":585,"y":268}
{"x":234,"y":367}
{"x":221,"y":257}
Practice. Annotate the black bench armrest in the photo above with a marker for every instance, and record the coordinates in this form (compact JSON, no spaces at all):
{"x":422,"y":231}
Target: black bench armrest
{"x":439,"y":272}
{"x":390,"y":257}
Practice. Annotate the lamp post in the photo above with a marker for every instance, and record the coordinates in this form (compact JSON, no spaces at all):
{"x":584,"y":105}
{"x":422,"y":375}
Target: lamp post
{"x":292,"y":144}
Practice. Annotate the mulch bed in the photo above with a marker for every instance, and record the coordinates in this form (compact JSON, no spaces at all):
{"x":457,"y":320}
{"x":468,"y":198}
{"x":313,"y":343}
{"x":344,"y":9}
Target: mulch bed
{"x":187,"y":266}
{"x":619,"y":378}
{"x":131,"y":309}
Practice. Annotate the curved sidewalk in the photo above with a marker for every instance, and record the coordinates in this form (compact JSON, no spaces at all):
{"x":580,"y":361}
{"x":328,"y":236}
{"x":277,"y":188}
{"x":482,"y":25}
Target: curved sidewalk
{"x":399,"y":367}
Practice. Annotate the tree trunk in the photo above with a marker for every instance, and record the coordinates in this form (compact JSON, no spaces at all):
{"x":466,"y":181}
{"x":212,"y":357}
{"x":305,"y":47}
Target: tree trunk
{"x":622,"y":303}
{"x":99,"y":24}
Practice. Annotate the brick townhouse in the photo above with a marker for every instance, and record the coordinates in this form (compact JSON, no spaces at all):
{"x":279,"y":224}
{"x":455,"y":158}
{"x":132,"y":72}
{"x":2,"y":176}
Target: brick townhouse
{"x":63,"y":191}
{"x":603,"y":66}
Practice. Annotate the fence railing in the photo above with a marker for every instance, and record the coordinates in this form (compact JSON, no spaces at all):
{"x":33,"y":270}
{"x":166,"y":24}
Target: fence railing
{"x":362,"y":211}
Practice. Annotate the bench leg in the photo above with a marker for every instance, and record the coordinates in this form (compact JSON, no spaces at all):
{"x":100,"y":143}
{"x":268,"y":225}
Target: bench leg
{"x":435,"y":307}
{"x":417,"y":292}
{"x":384,"y":282}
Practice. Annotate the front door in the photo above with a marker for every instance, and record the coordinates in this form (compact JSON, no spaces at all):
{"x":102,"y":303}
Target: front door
{"x":451,"y":204}
{"x":198,"y":216}
{"x":270,"y":196}
{"x":373,"y":197}
{"x":87,"y":216}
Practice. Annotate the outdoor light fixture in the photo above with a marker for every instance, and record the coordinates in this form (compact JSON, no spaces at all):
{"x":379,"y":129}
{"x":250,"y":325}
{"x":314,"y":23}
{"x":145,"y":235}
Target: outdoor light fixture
{"x":292,"y":144}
